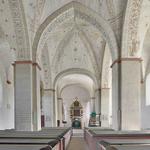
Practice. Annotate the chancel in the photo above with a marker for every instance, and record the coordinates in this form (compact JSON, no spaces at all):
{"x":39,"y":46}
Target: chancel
{"x":76,"y":112}
{"x":74,"y":74}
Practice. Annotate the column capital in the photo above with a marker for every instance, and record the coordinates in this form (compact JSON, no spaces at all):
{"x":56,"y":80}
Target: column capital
{"x":99,"y":89}
{"x":93,"y":98}
{"x":27,"y":62}
{"x":105,"y":88}
{"x":53,"y":90}
{"x":59,"y":98}
{"x":119,"y":60}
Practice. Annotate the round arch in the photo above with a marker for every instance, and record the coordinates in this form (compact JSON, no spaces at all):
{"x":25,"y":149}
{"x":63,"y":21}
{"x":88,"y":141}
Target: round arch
{"x":76,"y":84}
{"x":76,"y":71}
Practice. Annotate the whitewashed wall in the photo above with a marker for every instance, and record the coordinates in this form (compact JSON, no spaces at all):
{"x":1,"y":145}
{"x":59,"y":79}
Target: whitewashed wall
{"x":68,"y":94}
{"x":145,"y":106}
{"x":6,"y":101}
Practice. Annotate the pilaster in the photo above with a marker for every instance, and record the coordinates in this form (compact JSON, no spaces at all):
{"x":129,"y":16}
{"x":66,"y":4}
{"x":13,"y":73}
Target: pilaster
{"x":105,"y":107}
{"x":48,"y":107}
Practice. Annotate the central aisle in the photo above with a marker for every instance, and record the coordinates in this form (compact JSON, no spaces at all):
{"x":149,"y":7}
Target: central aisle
{"x":77,"y":142}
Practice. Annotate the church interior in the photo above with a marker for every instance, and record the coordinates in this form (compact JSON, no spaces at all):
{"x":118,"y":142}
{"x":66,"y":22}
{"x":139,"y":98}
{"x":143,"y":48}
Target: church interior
{"x":74,"y":74}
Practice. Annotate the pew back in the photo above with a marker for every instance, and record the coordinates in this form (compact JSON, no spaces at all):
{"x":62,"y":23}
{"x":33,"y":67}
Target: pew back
{"x":94,"y":136}
{"x":56,"y":139}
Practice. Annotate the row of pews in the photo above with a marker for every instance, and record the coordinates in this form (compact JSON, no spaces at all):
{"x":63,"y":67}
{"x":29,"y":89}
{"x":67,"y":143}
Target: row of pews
{"x":107,"y":139}
{"x":45,"y":139}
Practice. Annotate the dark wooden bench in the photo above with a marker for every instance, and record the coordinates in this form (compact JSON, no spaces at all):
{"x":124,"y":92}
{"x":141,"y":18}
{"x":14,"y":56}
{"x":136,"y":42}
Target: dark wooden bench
{"x":57,"y":139}
{"x":92,"y":137}
{"x":124,"y":144}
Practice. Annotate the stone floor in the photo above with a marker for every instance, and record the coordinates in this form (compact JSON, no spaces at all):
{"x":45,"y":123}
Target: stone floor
{"x":77,"y":142}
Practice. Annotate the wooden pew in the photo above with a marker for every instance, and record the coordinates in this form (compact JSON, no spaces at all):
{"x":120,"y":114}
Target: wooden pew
{"x":95,"y":129}
{"x":29,"y":144}
{"x":66,"y":135}
{"x":60,"y":137}
{"x":124,"y":144}
{"x":92,"y":137}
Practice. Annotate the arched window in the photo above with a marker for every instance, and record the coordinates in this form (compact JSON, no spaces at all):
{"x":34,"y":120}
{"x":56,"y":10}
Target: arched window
{"x":148,"y":90}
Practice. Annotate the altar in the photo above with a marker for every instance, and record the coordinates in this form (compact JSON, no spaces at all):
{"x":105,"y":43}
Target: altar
{"x":76,"y":113}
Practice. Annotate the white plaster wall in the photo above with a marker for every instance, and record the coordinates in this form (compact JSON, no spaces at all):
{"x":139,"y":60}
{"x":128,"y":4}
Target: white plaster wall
{"x":145,"y":109}
{"x":68,"y":95}
{"x":7,"y":102}
{"x":9,"y":93}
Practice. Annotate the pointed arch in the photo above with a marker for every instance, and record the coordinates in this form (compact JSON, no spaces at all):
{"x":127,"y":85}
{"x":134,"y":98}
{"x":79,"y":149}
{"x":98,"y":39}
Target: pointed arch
{"x":77,"y":10}
{"x":86,"y":42}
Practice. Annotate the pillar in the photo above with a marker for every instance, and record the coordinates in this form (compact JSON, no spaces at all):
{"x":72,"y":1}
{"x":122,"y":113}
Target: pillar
{"x":98,"y":105}
{"x":105,"y":107}
{"x":60,"y":110}
{"x":48,"y":107}
{"x":116,"y":113}
{"x":36,"y":97}
{"x":27,"y":101}
{"x":92,"y":108}
{"x":130,"y":93}
{"x":97,"y":101}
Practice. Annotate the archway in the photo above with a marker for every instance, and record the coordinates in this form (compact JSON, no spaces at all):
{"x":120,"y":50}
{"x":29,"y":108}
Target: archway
{"x":73,"y":10}
{"x":76,"y":113}
{"x":71,"y":95}
{"x":75,"y":85}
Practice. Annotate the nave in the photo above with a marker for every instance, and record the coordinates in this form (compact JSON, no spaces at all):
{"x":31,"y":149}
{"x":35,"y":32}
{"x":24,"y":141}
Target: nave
{"x":92,"y":138}
{"x":74,"y":64}
{"x":77,"y":141}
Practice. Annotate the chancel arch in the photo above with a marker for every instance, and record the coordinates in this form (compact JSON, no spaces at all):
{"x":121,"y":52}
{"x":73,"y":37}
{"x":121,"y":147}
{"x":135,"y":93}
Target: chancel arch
{"x":69,"y":95}
{"x":76,"y":81}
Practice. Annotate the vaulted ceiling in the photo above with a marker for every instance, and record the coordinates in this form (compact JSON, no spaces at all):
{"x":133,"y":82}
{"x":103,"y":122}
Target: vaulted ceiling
{"x":64,"y":39}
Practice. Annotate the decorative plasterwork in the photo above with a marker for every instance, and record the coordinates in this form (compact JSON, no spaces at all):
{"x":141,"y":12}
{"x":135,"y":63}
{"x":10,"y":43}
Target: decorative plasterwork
{"x":74,"y":9}
{"x":106,"y":70}
{"x":60,"y":48}
{"x":130,"y":41}
{"x":22,"y":39}
{"x":35,"y":20}
{"x":46,"y":68}
{"x":6,"y":54}
{"x":86,"y":42}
